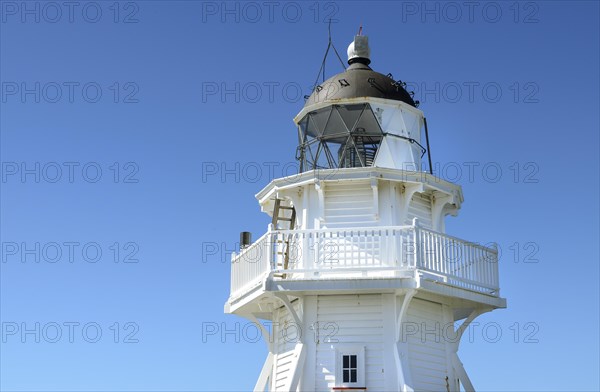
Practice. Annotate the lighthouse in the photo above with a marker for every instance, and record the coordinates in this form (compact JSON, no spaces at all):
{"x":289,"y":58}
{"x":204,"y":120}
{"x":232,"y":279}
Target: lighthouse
{"x":356,"y":285}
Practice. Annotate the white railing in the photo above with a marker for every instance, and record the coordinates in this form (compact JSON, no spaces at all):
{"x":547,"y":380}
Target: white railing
{"x":463,"y":264}
{"x":249,"y":267}
{"x":365,"y":252}
{"x":332,"y":250}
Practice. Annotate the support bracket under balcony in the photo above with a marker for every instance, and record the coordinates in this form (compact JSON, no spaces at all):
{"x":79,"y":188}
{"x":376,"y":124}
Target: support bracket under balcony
{"x":265,"y":334}
{"x":288,"y":305}
{"x":408,"y":190}
{"x":401,"y":351}
{"x":457,"y":364}
{"x":321,"y":197}
{"x":439,"y":209}
{"x":375,"y":188}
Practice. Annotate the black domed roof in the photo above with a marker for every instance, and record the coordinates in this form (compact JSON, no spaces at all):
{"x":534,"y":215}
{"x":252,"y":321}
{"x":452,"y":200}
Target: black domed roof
{"x":359,"y":80}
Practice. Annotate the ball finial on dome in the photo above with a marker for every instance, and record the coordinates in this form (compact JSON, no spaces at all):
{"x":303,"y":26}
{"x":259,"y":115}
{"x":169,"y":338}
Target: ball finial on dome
{"x":358,"y":50}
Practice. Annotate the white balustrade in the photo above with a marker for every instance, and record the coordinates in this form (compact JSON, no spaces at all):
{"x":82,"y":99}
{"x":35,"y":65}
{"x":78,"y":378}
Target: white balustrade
{"x":365,"y":252}
{"x":249,"y":267}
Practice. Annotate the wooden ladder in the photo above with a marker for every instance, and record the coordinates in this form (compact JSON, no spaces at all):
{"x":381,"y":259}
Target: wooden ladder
{"x":277,"y":217}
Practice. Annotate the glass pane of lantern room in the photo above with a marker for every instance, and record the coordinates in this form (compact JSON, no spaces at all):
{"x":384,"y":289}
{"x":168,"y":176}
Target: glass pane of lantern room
{"x":368,"y":123}
{"x":318,"y":121}
{"x":336,"y":129}
{"x":325,"y":158}
{"x":302,"y":126}
{"x":350,"y":113}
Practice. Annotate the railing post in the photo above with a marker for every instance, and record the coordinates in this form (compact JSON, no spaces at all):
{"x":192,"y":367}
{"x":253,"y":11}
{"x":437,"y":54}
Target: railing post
{"x":304,"y":254}
{"x":495,"y":270}
{"x":390,"y":247}
{"x":234,"y":273}
{"x":270,"y":243}
{"x":417,"y":242}
{"x":315,"y":249}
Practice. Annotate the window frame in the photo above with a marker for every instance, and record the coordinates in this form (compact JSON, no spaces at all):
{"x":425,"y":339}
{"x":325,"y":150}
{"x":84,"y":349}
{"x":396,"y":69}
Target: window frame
{"x":342,"y":351}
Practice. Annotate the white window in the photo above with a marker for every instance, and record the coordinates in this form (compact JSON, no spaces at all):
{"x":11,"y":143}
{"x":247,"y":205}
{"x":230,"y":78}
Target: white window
{"x":350,"y":366}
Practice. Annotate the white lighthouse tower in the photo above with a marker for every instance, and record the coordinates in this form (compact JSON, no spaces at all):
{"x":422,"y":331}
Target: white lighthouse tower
{"x":356,"y":285}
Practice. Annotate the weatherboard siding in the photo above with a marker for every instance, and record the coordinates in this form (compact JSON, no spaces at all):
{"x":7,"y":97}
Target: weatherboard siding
{"x":349,"y":205}
{"x":420,"y":208}
{"x":427,"y":347}
{"x":349,"y":320}
{"x":287,"y":335}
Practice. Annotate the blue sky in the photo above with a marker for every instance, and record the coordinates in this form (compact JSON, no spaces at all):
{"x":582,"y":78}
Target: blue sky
{"x":135,"y":134}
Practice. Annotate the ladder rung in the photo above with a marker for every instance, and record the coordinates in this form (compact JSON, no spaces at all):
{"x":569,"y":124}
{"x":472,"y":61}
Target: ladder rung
{"x":276,"y":215}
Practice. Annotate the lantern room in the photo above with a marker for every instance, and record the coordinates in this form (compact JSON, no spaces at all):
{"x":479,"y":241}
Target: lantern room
{"x":360,"y":118}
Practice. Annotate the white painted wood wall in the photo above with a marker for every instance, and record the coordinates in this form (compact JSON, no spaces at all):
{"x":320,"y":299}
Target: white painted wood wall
{"x":428,"y":350}
{"x":349,"y":204}
{"x":287,"y":336}
{"x":349,"y":320}
{"x":332,"y":321}
{"x":360,"y":203}
{"x":420,"y":208}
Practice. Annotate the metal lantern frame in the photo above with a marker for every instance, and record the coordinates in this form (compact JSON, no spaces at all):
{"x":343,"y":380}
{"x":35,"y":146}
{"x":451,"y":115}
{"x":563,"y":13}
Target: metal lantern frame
{"x":352,"y":128}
